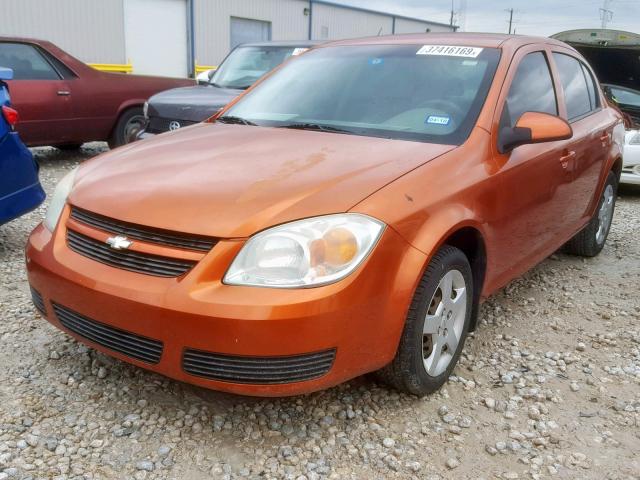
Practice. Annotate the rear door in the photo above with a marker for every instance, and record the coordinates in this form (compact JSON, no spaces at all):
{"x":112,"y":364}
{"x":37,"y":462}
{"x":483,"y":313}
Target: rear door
{"x":39,"y":93}
{"x":592,"y":134}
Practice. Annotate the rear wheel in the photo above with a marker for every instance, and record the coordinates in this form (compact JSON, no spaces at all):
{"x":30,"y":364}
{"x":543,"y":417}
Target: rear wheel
{"x":591,"y":239}
{"x":436,"y":325}
{"x":129,"y":124}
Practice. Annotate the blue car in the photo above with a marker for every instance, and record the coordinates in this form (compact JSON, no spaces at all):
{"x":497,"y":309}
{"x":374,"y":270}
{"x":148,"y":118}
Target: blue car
{"x":20,"y":189}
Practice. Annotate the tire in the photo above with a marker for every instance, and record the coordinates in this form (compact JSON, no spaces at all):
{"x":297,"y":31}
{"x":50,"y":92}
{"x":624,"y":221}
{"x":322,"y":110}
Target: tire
{"x":69,"y":147}
{"x":129,"y":123}
{"x":591,"y":239}
{"x":414,"y":369}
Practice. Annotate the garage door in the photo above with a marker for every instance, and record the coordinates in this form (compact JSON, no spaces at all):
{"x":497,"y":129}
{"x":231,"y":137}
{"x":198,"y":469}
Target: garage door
{"x":244,"y":30}
{"x":156,"y":36}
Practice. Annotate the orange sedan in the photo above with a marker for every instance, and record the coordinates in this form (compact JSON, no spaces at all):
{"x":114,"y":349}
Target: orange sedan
{"x":345,"y":215}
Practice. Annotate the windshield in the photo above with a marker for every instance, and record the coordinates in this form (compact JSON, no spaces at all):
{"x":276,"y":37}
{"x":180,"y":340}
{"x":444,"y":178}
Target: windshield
{"x":245,"y":65}
{"x":394,"y":91}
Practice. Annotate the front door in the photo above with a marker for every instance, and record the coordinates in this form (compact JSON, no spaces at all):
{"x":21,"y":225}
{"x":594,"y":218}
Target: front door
{"x":41,"y":96}
{"x":532,"y":179}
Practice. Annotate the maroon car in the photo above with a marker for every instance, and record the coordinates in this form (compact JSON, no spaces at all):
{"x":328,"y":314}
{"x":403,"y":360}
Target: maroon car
{"x":63,"y":102}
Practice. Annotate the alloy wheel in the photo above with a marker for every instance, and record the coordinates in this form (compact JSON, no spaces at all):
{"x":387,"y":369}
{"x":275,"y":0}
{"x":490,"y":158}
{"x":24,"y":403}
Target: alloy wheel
{"x":605,"y":214}
{"x":444,"y":323}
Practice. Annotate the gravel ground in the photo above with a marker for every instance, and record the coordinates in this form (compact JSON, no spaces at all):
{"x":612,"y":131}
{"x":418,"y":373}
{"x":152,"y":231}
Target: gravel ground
{"x":548,"y":387}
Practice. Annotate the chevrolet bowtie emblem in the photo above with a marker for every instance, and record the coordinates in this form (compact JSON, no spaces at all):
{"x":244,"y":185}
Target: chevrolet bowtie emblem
{"x":119,"y":242}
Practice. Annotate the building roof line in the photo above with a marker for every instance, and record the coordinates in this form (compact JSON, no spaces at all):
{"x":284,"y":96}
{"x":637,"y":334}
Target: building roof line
{"x":378,"y":12}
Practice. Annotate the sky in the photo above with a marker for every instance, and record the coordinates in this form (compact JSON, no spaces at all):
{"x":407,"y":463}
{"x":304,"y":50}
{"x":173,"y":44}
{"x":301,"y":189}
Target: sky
{"x":531,"y":17}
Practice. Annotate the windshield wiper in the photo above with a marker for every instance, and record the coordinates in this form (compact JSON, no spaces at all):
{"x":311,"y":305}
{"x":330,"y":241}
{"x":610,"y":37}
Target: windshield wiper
{"x":316,"y":127}
{"x":235,"y":120}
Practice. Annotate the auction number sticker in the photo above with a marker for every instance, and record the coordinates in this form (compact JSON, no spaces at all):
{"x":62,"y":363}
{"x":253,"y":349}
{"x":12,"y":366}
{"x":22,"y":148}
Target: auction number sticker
{"x":449,"y":51}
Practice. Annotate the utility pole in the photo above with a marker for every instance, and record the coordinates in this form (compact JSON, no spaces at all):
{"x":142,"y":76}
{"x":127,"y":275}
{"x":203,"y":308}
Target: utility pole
{"x":510,"y":19}
{"x":452,"y":14}
{"x":605,"y":13}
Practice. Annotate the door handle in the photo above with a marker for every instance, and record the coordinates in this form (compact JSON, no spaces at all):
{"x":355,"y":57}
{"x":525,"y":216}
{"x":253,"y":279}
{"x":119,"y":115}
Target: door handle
{"x":564,"y":159}
{"x":604,"y":138}
{"x":64,"y":93}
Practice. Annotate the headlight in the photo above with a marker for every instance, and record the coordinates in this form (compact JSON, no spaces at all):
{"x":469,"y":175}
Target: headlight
{"x":635,"y":139}
{"x":145,"y":109}
{"x":305,"y":253}
{"x":59,"y":199}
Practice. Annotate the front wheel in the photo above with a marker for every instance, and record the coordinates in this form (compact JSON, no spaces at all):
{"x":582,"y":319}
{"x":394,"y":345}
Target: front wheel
{"x":436,"y":325}
{"x":129,"y":124}
{"x":591,"y":239}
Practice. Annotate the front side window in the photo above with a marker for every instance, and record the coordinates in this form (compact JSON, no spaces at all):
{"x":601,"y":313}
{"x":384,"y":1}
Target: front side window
{"x":26,"y":62}
{"x":245,"y":65}
{"x":531,"y":90}
{"x":389,"y":91}
{"x":574,"y":84}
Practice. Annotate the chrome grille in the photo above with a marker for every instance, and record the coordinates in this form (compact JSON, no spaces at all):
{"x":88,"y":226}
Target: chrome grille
{"x":146,"y":234}
{"x":127,"y":259}
{"x":258,"y":370}
{"x":127,"y":343}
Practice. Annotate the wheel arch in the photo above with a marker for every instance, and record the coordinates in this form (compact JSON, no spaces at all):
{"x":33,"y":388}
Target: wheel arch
{"x":468,"y":236}
{"x":617,"y":167}
{"x":471,"y":242}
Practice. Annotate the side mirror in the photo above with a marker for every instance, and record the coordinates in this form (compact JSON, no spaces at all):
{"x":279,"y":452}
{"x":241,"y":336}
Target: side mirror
{"x":203,"y":78}
{"x":533,"y":127}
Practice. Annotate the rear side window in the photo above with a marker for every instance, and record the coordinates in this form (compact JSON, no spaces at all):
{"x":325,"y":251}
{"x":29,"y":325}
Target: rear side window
{"x":531,"y":90}
{"x":592,"y":87}
{"x":574,"y":84}
{"x":27,"y":63}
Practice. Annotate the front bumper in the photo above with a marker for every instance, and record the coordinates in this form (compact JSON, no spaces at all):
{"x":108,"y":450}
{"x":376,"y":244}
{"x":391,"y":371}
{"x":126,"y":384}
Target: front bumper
{"x":359,"y":319}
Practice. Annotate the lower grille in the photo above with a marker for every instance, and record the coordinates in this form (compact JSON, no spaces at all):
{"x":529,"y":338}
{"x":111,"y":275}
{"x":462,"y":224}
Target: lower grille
{"x":38,"y":301}
{"x":161,"y":125}
{"x":258,"y":370}
{"x":135,"y":346}
{"x":127,"y":259}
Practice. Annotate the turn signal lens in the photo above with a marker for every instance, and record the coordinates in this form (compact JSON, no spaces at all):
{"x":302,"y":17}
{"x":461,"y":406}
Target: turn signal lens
{"x":10,"y":115}
{"x":341,"y":246}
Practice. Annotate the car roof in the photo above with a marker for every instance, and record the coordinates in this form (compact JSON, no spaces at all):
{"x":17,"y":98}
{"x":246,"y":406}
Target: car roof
{"x":485,"y":40}
{"x":283,"y":43}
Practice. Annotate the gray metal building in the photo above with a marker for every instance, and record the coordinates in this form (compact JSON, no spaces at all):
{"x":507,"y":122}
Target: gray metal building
{"x":174,"y":37}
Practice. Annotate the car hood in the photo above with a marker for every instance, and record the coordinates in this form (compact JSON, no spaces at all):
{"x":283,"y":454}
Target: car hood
{"x":190,"y":103}
{"x":230,"y":181}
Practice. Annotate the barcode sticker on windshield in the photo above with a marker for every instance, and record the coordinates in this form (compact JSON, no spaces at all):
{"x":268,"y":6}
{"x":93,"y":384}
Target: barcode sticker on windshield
{"x":449,"y":51}
{"x":298,"y":51}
